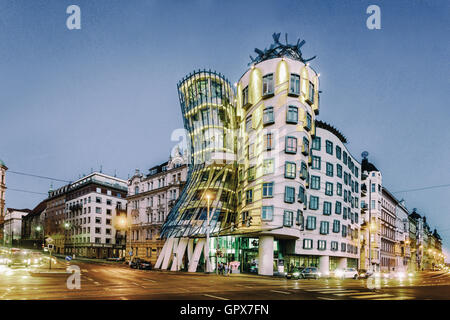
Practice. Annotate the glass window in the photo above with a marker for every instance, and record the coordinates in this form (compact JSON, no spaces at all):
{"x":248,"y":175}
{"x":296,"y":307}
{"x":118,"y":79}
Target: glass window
{"x":310,"y":223}
{"x":338,"y":207}
{"x":338,"y":152}
{"x":321,"y":244}
{"x":326,"y":208}
{"x":339,"y":170}
{"x":339,"y":189}
{"x":329,"y":169}
{"x":329,"y":188}
{"x":308,"y":123}
{"x":268,"y":166}
{"x":249,"y":196}
{"x":267,"y":213}
{"x":289,"y":170}
{"x":288,"y":218}
{"x":303,"y":171}
{"x":334,"y":245}
{"x":267,"y":84}
{"x":314,"y":203}
{"x":316,"y":143}
{"x":251,"y":173}
{"x":336,"y":226}
{"x":301,"y":194}
{"x":307,"y":243}
{"x":268,"y":116}
{"x":305,"y":147}
{"x":356,"y":172}
{"x":343,"y":247}
{"x":344,"y":231}
{"x":268,"y":141}
{"x":344,"y":157}
{"x":294,"y":87}
{"x":311,"y":92}
{"x":329,"y":146}
{"x":300,"y":219}
{"x":245,"y":96}
{"x":267,"y":189}
{"x":291,"y":145}
{"x":292,"y":114}
{"x":315,"y":182}
{"x":315,"y":162}
{"x":324,"y":227}
{"x":248,"y":123}
{"x":289,"y":194}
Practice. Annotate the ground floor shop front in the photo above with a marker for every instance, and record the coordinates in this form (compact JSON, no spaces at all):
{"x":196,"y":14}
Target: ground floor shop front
{"x":263,"y":255}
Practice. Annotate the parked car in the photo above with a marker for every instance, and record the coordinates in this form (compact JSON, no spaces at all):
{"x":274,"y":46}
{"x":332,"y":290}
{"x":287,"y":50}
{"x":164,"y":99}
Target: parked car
{"x":295,"y":273}
{"x":347,"y":273}
{"x":311,"y":272}
{"x":364,"y":274}
{"x":144,"y":265}
{"x":135,"y":263}
{"x":117,"y":259}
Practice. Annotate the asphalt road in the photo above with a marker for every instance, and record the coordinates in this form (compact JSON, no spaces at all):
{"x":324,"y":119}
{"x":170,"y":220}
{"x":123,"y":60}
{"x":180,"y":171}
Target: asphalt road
{"x":119,"y":282}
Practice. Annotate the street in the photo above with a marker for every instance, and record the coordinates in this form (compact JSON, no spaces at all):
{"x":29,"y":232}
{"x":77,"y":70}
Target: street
{"x":119,"y":282}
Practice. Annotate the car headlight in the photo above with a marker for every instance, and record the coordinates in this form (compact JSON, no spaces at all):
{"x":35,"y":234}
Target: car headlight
{"x":296,"y":274}
{"x":386,"y":275}
{"x":362,"y":275}
{"x":400,"y":275}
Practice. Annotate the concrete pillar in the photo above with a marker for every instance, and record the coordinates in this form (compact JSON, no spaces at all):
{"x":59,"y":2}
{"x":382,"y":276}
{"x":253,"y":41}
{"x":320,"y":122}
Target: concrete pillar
{"x":265,"y":256}
{"x":342,"y":263}
{"x":324,"y":265}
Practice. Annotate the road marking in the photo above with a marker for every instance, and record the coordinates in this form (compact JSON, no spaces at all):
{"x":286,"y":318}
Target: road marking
{"x":123,"y":298}
{"x":210,"y":295}
{"x":95,"y":270}
{"x":337,"y":291}
{"x":355,"y":293}
{"x":95,"y":282}
{"x":84,"y":270}
{"x":283,"y":292}
{"x":324,"y":298}
{"x":374,"y":296}
{"x":397,"y":298}
{"x":151,"y":280}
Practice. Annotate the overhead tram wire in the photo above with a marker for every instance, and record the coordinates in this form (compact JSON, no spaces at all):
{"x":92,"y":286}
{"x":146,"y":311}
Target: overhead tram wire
{"x":27,"y":191}
{"x":424,"y":188}
{"x":37,"y":176}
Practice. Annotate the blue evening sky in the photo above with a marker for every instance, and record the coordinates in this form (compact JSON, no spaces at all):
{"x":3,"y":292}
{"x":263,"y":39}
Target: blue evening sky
{"x":106,"y":94}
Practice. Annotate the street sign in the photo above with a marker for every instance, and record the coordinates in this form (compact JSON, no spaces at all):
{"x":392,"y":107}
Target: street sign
{"x":49,"y":240}
{"x":130,"y":253}
{"x":68,"y":258}
{"x":50,"y":247}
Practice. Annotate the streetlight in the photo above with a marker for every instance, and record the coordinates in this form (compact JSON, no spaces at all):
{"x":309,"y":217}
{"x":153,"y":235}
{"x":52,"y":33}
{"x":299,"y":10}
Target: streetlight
{"x":123,"y":224}
{"x":208,"y":198}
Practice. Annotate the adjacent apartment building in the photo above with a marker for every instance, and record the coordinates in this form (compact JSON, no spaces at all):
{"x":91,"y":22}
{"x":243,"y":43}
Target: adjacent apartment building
{"x":3,"y":169}
{"x":151,"y":196}
{"x":81,"y":217}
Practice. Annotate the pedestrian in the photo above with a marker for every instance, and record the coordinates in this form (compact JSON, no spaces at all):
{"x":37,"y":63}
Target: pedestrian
{"x":229,"y":268}
{"x":225,"y":269}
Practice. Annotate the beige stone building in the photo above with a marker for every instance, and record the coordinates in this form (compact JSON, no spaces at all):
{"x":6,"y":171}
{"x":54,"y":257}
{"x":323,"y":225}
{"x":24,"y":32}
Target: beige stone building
{"x":150,"y":198}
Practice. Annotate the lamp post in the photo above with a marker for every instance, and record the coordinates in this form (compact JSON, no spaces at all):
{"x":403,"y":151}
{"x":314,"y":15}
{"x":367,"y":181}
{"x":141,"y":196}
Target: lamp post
{"x":370,"y":226}
{"x":208,"y":198}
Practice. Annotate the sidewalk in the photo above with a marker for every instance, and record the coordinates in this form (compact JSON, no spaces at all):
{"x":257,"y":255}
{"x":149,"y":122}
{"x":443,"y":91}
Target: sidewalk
{"x":92,"y":260}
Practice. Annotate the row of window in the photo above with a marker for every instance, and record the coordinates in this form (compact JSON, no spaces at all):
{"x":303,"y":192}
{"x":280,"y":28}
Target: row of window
{"x":268,"y":88}
{"x":322,"y":245}
{"x":316,"y":145}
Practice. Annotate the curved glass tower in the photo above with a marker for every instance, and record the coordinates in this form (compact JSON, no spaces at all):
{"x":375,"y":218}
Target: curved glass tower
{"x":207,"y":105}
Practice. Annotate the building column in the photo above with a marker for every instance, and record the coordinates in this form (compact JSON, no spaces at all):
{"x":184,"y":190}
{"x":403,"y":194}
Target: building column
{"x":324,"y":265}
{"x":265,"y":256}
{"x":343,"y":263}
